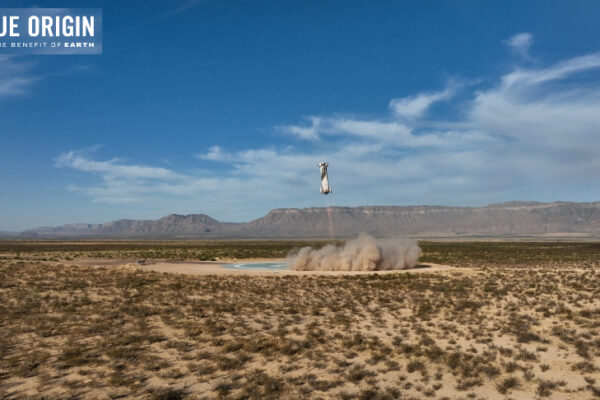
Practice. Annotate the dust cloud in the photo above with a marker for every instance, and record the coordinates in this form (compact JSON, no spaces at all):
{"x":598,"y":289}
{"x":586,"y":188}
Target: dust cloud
{"x":364,"y":253}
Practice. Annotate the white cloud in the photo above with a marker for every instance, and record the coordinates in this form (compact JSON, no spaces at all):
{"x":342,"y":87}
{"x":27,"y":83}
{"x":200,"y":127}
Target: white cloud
{"x":520,"y":44}
{"x":112,"y":168}
{"x":213,"y":154}
{"x":529,"y":107}
{"x":15,"y":76}
{"x":414,"y":107}
{"x":556,"y":72}
{"x":528,"y":135}
{"x":310,"y":132}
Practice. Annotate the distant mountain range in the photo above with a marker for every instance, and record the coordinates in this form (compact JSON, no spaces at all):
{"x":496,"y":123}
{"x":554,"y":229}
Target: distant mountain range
{"x":494,"y":220}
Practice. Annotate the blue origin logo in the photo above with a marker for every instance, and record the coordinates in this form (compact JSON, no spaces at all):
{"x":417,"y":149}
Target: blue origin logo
{"x":50,"y":31}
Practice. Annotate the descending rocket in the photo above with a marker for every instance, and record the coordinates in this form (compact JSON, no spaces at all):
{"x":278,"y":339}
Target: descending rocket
{"x":325,"y":189}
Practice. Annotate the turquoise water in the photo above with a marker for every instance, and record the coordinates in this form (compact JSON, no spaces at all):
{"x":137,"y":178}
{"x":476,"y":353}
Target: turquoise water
{"x":267,"y":266}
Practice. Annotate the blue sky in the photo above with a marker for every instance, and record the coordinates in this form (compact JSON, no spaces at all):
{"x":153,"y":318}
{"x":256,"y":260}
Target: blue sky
{"x":225,"y":108}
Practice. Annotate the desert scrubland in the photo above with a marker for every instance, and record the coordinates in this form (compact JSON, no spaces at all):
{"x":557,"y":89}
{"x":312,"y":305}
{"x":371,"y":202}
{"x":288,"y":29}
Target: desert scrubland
{"x":509,"y":320}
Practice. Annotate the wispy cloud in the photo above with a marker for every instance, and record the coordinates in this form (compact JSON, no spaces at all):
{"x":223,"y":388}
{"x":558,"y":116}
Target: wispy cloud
{"x":214,"y":154}
{"x":520,"y":44}
{"x":170,"y":12}
{"x":414,"y":107}
{"x":16,"y":76}
{"x":308,"y":132}
{"x":526,"y":135}
{"x":564,"y":69}
{"x":113,"y":169}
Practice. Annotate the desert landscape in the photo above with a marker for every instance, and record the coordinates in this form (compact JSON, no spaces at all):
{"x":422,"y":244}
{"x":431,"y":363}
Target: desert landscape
{"x":473,"y":320}
{"x":260,"y":200}
{"x":513,"y":219}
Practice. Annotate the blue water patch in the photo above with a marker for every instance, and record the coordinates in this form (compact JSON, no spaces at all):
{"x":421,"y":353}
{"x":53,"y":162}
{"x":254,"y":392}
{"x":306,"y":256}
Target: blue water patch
{"x":261,"y":266}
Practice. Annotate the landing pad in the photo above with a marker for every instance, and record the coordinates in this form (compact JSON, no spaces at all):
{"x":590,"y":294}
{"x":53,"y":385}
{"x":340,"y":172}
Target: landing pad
{"x":258,"y":266}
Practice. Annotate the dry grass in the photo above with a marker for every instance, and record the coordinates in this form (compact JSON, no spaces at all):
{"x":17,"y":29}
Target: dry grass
{"x":174,"y":250}
{"x":511,"y":329}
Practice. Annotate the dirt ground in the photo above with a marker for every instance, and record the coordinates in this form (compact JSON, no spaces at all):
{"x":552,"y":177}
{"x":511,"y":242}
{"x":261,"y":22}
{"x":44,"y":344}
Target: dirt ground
{"x":220,"y":268}
{"x":492,"y":324}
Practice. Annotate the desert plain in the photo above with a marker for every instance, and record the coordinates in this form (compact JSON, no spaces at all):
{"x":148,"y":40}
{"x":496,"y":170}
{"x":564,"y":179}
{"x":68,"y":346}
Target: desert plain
{"x":474,"y":320}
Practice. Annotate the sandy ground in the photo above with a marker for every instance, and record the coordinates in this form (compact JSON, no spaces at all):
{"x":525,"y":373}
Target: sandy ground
{"x":106,"y":331}
{"x":220,"y":268}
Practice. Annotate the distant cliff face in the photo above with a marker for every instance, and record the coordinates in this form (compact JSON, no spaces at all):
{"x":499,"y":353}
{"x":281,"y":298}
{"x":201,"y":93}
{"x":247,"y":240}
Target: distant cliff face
{"x":171,"y":225}
{"x":505,"y":219}
{"x":495,"y":220}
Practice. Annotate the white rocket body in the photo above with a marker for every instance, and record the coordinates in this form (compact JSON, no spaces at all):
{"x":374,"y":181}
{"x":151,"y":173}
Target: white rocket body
{"x":325,"y":189}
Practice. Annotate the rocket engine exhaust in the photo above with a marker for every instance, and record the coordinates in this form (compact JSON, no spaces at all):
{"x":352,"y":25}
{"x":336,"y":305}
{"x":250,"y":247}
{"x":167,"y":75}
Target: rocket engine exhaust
{"x":364,"y":253}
